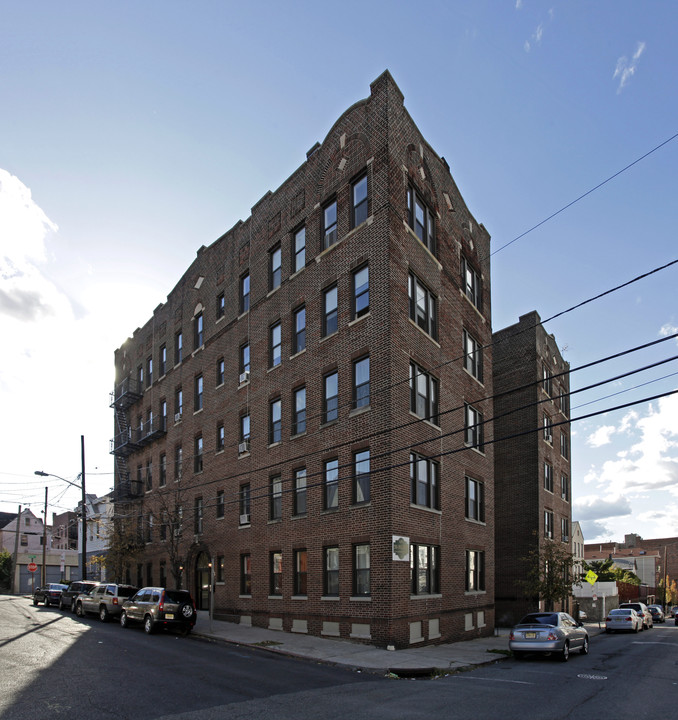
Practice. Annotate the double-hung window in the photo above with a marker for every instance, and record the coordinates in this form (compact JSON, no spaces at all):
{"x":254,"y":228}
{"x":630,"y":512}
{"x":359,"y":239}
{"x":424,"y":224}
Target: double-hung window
{"x":299,"y":249}
{"x":300,"y":491}
{"x":565,"y":487}
{"x":163,"y":360}
{"x":331,"y":468}
{"x":421,"y":219}
{"x":149,"y":475}
{"x":299,"y":411}
{"x":244,"y":504}
{"x":198,"y":331}
{"x":197,"y":454}
{"x":475,"y":570}
{"x":330,"y":397}
{"x":361,"y":382}
{"x":275,"y":421}
{"x":471,"y":284}
{"x":300,"y":571}
{"x":330,"y":311}
{"x":475,"y":500}
{"x":149,"y":372}
{"x":565,"y":529}
{"x":178,"y":403}
{"x":197,"y":515}
{"x":221,"y":504}
{"x":178,"y":347}
{"x":244,"y":428}
{"x":330,"y":224}
{"x":220,"y":371}
{"x":473,"y":356}
{"x":564,"y":445}
{"x":221,"y":439}
{"x":244,"y":293}
{"x":359,"y":201}
{"x":276,"y":498}
{"x":246,"y":574}
{"x":331,"y":574}
{"x":425,"y":569}
{"x":276,"y":345}
{"x":548,"y":477}
{"x":275,"y":268}
{"x":198,"y":386}
{"x":162,"y":480}
{"x":361,"y":292}
{"x":423,"y":394}
{"x":361,"y":570}
{"x":423,"y":306}
{"x":547,"y":380}
{"x":244,"y":359}
{"x":276,"y":573}
{"x":361,"y":477}
{"x":548,"y":524}
{"x":424,"y":474}
{"x":221,"y":306}
{"x":474,"y":434}
{"x":548,"y":430}
{"x":299,"y":330}
{"x":178,"y":462}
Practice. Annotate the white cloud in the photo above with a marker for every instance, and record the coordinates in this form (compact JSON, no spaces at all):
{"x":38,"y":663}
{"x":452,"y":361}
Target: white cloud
{"x":592,"y":507}
{"x":602,"y":436}
{"x":626,"y":68}
{"x":669,"y":329}
{"x":519,"y":4}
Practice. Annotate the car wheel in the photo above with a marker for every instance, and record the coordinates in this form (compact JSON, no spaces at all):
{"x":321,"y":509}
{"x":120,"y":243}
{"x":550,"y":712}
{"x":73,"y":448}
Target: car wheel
{"x":124,"y":620}
{"x":186,"y":611}
{"x":149,"y":625}
{"x":585,"y":647}
{"x":565,"y":653}
{"x":79,"y":611}
{"x":103,"y":613}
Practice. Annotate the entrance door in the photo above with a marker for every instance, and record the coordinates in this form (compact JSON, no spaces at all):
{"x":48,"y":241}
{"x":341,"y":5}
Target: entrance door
{"x":202,"y":582}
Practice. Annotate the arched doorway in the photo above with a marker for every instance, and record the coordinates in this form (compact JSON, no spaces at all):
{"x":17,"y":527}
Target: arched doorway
{"x":202,"y":582}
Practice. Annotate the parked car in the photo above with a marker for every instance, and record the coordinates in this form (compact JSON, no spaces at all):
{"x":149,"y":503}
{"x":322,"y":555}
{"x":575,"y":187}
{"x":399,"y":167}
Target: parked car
{"x":674,"y":611}
{"x":641,"y":609}
{"x":68,"y":596}
{"x":104,"y":599}
{"x":160,"y":608}
{"x":548,"y":632}
{"x":49,"y":594}
{"x":623,"y":619}
{"x":657,"y":613}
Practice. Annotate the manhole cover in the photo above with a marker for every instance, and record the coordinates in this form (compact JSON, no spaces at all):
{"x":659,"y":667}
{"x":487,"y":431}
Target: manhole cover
{"x":592,"y":677}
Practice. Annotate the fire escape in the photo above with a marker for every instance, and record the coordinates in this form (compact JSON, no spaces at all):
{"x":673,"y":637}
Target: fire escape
{"x":126,"y":440}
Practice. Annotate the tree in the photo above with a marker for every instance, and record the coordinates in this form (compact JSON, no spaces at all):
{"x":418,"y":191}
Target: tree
{"x":550,"y":575}
{"x":124,"y":546}
{"x":169,"y":506}
{"x":607,"y":571}
{"x":5,"y":569}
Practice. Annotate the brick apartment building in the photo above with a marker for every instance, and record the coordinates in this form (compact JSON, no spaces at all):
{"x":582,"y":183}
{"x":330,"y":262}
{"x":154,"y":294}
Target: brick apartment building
{"x":306,"y":409}
{"x":532,"y":470}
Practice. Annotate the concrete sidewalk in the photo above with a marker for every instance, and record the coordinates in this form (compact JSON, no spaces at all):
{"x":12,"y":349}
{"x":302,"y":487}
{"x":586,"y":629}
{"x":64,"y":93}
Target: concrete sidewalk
{"x":416,"y":660}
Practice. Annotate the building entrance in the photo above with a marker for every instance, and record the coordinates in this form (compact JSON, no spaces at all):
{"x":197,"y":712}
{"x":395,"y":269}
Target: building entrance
{"x":202,"y":582}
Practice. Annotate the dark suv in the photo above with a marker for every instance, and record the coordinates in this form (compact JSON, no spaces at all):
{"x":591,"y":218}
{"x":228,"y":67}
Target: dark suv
{"x":49,"y":594}
{"x":67,"y":599}
{"x":105,"y":599}
{"x":160,"y":608}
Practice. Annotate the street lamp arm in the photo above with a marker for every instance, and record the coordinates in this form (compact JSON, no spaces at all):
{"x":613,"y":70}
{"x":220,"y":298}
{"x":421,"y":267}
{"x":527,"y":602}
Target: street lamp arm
{"x":58,"y":477}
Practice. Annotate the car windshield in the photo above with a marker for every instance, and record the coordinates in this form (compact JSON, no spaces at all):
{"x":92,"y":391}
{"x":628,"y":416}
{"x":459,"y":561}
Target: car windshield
{"x":621,"y":612}
{"x":540,"y":619}
{"x":177,"y":596}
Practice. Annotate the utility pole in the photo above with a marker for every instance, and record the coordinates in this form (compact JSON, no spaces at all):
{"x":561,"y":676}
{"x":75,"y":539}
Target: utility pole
{"x":44,"y":545}
{"x":84,"y":511}
{"x":16,"y":551}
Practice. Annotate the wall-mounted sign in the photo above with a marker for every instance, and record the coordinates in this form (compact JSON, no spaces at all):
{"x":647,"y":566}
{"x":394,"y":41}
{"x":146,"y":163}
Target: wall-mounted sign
{"x":401,"y":548}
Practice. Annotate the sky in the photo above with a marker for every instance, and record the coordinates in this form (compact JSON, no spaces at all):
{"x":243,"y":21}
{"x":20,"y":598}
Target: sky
{"x":133,"y":133}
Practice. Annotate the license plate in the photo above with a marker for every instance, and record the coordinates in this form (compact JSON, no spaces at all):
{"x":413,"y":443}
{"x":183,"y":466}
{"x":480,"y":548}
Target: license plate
{"x":530,"y":635}
{"x":169,"y":616}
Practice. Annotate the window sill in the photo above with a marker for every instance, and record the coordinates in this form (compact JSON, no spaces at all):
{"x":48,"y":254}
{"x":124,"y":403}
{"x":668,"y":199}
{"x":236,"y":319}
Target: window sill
{"x":219,"y":452}
{"x":244,"y":455}
{"x":425,"y":596}
{"x":274,"y":367}
{"x":475,"y":449}
{"x":428,"y":252}
{"x":425,"y":508}
{"x":327,"y":337}
{"x":475,"y":592}
{"x":245,"y":597}
{"x":299,"y":517}
{"x":220,"y":319}
{"x":301,"y":352}
{"x":477,"y":379}
{"x":242,"y":527}
{"x":298,"y":435}
{"x":430,"y":423}
{"x":355,"y":321}
{"x":275,"y":521}
{"x":196,"y":412}
{"x":299,"y":597}
{"x":219,"y":385}
{"x":330,"y":423}
{"x":242,"y":314}
{"x":297,"y":272}
{"x":360,"y":410}
{"x":360,"y":598}
{"x":358,"y":505}
{"x":274,"y":444}
{"x":273,"y":291}
{"x":242,"y":385}
{"x":329,"y":511}
{"x":197,"y":350}
{"x":423,"y":332}
{"x":476,"y":522}
{"x":478,"y":313}
{"x":275,"y":597}
{"x":330,"y":598}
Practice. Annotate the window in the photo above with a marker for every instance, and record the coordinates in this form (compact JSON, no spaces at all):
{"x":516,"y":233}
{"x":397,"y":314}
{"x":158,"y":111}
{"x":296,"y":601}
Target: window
{"x":178,"y":403}
{"x":475,"y":570}
{"x":361,"y":383}
{"x":275,"y":422}
{"x":470,"y":284}
{"x":244,"y":428}
{"x":198,"y":331}
{"x":245,"y":358}
{"x":197,"y":455}
{"x":330,"y":317}
{"x":149,"y":573}
{"x":198,"y":393}
{"x":331,"y":397}
{"x":299,"y":330}
{"x":473,"y":357}
{"x":300,"y":491}
{"x":178,"y":462}
{"x":197,"y":515}
{"x":244,"y":504}
{"x":359,"y":201}
{"x":275,"y":498}
{"x":474,"y":428}
{"x":423,"y":394}
{"x":564,"y":529}
{"x":421,"y":219}
{"x":331,"y":571}
{"x":361,"y":570}
{"x":425,"y":569}
{"x":244,"y":293}
{"x":329,"y":224}
{"x":548,"y":430}
{"x":163,"y":573}
{"x":221,"y":306}
{"x":140,"y":376}
{"x":546,"y":380}
{"x":163,"y":360}
{"x":299,"y":411}
{"x":423,"y":306}
{"x":220,"y":568}
{"x":361,"y":292}
{"x":475,"y":500}
{"x":178,"y":347}
{"x":162,"y":480}
{"x":564,"y":445}
{"x":276,"y":573}
{"x":149,"y":372}
{"x":300,"y":571}
{"x":245,"y":574}
{"x":299,"y":249}
{"x":565,"y":487}
{"x":548,"y":524}
{"x":220,"y":371}
{"x":331,"y":484}
{"x":220,"y":504}
{"x":424,"y":481}
{"x":548,"y":477}
{"x":163,"y":415}
{"x":149,"y":475}
{"x":361,"y":477}
{"x":276,"y":345}
{"x":221,"y":441}
{"x":274,"y":268}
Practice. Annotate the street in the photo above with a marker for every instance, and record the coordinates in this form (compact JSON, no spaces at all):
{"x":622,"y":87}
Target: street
{"x":54,"y":665}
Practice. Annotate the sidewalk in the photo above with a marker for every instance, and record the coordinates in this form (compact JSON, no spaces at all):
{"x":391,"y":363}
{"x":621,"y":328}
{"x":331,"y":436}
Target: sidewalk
{"x":416,"y":660}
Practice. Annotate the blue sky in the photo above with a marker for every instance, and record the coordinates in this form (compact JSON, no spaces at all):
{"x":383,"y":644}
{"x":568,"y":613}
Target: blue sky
{"x":133,"y":133}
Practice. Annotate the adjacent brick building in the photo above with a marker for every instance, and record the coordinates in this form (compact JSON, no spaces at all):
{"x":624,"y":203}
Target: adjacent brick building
{"x":532,"y":456}
{"x":306,"y":410}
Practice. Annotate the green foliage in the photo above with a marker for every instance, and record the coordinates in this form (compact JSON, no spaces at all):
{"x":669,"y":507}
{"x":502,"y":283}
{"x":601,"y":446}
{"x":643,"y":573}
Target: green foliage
{"x":5,"y":569}
{"x":607,"y":571}
{"x":549,"y":573}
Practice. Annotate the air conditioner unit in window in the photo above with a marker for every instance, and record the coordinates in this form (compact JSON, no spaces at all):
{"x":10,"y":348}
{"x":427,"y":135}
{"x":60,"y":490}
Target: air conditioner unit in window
{"x":177,"y":417}
{"x":244,"y":447}
{"x":245,"y":519}
{"x":244,"y":377}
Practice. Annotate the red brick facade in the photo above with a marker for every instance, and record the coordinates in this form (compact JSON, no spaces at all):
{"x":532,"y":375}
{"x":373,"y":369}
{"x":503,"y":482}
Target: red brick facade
{"x":450,"y":284}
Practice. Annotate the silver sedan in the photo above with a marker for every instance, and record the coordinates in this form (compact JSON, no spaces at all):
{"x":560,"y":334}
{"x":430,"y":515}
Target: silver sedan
{"x":548,"y":632}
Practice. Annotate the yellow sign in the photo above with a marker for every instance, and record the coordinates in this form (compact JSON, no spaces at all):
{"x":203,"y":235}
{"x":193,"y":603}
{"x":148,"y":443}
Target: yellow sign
{"x":591,"y":577}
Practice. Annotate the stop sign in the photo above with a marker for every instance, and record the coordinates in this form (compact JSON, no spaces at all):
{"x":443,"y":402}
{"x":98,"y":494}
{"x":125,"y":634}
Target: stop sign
{"x":32,"y":567}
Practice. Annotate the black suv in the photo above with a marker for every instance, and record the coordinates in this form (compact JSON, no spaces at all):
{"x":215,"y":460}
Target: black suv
{"x":49,"y":594}
{"x":160,"y":608}
{"x":67,"y":599}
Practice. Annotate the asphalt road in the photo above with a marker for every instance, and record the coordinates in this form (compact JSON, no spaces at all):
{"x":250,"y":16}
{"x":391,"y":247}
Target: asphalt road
{"x":54,"y":665}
